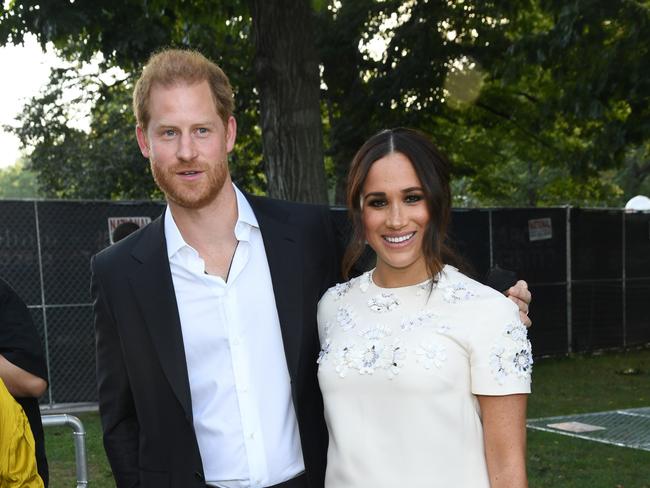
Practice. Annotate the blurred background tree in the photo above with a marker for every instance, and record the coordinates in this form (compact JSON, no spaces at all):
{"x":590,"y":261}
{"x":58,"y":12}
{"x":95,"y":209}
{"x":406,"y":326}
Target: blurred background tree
{"x":18,"y":182}
{"x":537,"y":102}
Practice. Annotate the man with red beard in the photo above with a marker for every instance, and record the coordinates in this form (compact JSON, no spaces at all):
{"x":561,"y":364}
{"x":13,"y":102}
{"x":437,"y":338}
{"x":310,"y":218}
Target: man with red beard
{"x":206,"y":318}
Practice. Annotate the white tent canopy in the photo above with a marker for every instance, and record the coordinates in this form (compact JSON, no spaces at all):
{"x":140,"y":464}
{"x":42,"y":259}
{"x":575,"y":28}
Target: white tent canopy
{"x":639,"y":202}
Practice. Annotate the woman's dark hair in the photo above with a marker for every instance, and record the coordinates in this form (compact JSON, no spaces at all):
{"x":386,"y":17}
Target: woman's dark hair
{"x":432,"y":169}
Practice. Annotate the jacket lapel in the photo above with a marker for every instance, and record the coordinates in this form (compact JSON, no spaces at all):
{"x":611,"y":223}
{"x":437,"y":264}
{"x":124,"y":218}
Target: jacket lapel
{"x":284,"y":255}
{"x":154,"y":291}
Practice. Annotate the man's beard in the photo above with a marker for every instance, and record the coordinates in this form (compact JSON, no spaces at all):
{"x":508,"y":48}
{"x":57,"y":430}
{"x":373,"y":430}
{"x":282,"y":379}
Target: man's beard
{"x":187,"y":195}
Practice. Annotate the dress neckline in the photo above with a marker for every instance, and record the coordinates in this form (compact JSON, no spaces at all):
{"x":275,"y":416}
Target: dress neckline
{"x":371,"y":280}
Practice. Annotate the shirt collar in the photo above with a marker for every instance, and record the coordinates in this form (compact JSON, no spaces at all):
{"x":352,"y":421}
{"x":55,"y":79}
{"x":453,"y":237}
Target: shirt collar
{"x":245,"y":221}
{"x":244,"y":210}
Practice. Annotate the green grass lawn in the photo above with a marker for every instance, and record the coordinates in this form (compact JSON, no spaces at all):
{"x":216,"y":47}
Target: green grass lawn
{"x":587,"y":383}
{"x":577,"y":384}
{"x":59,"y":445}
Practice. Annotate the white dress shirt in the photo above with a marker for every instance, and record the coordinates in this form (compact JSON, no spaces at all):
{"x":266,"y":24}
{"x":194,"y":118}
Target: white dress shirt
{"x":244,"y":418}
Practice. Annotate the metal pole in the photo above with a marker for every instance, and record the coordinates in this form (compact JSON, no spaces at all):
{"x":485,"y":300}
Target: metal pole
{"x":624,"y":284}
{"x":491,"y":243}
{"x":569,"y":302}
{"x":44,"y":312}
{"x":79,"y":436}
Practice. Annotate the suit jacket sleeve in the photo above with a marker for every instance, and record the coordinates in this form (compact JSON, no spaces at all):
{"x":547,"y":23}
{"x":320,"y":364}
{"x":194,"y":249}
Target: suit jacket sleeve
{"x":119,"y":420}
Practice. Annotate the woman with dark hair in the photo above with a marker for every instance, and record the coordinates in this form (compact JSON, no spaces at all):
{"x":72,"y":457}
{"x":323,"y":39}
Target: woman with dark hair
{"x":424,"y":371}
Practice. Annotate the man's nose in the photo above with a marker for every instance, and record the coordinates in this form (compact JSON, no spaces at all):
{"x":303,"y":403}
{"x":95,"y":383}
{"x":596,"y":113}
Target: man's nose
{"x":186,"y":148}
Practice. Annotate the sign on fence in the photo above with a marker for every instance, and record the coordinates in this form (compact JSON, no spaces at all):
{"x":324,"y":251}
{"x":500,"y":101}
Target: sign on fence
{"x":540,"y":229}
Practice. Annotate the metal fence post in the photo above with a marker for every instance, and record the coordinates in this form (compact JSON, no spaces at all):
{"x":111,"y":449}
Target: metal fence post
{"x":569,"y":303}
{"x":491,"y":238}
{"x":624,"y":280}
{"x":39,"y":251}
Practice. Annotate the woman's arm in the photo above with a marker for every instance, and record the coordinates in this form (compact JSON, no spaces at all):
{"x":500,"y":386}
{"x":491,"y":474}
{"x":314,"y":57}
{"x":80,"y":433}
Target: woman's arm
{"x":504,"y":432}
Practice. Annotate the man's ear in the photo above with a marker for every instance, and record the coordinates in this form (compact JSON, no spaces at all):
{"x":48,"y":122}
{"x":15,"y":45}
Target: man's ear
{"x":231,"y":133}
{"x":141,"y":136}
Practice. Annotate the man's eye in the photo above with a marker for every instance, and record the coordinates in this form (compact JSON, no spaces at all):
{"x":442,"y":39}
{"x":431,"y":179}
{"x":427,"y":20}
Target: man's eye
{"x":202,"y":131}
{"x":169,"y":133}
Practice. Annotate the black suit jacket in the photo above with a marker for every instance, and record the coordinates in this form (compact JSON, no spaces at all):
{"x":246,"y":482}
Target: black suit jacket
{"x":144,"y":394}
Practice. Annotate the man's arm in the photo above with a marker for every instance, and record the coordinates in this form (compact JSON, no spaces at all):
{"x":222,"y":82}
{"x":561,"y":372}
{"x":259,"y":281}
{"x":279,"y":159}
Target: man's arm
{"x":20,"y":383}
{"x":119,"y":420}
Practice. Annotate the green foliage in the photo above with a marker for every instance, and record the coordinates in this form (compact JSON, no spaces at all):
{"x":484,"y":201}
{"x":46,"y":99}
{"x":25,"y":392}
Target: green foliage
{"x":106,"y":162}
{"x":538,"y":102}
{"x":595,"y":110}
{"x":634,"y":176}
{"x":18,"y":182}
{"x":527,"y":100}
{"x":72,"y":163}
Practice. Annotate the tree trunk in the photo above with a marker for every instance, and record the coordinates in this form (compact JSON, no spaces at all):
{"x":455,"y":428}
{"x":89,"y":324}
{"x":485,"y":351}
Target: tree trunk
{"x":288,"y":80}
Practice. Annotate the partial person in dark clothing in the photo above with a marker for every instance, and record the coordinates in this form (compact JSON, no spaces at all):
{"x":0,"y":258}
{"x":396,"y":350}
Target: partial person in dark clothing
{"x":123,"y":230}
{"x":22,"y":364}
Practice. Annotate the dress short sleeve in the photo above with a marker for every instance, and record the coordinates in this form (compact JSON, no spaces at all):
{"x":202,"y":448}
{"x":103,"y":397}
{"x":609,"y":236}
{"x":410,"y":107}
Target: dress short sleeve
{"x":500,"y":352}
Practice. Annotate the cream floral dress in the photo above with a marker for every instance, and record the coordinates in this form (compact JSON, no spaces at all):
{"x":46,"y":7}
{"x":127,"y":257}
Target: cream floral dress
{"x":399,"y":369}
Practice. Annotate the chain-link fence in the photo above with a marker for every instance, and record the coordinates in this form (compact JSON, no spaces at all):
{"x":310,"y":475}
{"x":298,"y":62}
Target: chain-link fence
{"x":588,"y":270}
{"x":45,"y":250}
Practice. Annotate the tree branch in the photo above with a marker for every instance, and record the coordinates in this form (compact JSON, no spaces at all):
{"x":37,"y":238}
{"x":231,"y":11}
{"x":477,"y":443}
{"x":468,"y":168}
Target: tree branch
{"x":510,"y":118}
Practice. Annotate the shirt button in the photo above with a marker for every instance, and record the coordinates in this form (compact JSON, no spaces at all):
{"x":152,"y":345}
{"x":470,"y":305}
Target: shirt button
{"x":251,"y":436}
{"x":235,"y":341}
